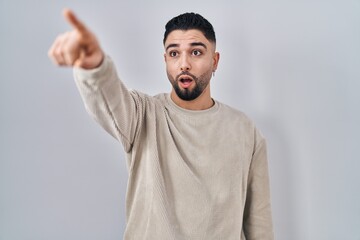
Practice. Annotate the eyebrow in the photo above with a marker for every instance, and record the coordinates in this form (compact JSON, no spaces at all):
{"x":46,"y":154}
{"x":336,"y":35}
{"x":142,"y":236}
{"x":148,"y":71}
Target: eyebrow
{"x":193,"y":44}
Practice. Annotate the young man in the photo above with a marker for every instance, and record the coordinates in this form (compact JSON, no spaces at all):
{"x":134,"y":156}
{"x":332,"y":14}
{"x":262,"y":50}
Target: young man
{"x":197,"y":167}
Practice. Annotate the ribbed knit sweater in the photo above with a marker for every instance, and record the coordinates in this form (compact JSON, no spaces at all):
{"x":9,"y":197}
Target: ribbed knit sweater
{"x":198,"y":175}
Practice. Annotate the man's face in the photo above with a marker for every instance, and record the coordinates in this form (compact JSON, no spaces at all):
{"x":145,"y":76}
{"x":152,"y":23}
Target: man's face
{"x":190,"y":60}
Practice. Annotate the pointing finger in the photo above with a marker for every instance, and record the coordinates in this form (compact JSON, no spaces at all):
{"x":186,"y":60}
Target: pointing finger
{"x":74,"y":21}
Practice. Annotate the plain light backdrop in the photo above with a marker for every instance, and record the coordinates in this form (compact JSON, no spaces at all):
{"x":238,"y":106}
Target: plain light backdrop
{"x":292,"y":66}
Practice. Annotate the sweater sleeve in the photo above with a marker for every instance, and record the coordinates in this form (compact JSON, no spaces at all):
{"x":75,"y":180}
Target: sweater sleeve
{"x":118,"y":110}
{"x":257,"y":213}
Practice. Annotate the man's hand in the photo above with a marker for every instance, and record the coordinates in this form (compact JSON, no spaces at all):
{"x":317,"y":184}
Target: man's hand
{"x":78,"y":47}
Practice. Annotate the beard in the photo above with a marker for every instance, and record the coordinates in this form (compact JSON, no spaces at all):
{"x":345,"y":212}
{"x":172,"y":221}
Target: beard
{"x":187,"y":94}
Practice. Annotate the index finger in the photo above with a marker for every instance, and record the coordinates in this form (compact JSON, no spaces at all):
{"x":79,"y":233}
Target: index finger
{"x":74,"y":21}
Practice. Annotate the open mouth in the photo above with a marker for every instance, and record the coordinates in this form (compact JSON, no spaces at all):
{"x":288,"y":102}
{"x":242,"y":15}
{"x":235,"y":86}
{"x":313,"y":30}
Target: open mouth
{"x":185,"y":81}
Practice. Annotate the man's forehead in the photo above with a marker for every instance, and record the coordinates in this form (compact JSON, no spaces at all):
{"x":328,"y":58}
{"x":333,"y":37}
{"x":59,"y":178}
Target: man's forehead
{"x":186,"y":37}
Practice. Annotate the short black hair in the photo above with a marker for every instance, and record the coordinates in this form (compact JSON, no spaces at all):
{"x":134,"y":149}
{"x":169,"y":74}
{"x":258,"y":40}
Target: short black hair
{"x":188,"y":21}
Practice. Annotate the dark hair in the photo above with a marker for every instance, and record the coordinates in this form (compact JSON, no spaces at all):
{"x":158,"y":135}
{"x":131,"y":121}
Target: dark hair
{"x":188,"y":21}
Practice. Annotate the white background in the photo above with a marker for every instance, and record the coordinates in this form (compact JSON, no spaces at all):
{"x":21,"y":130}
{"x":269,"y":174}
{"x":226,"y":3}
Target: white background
{"x":292,"y":66}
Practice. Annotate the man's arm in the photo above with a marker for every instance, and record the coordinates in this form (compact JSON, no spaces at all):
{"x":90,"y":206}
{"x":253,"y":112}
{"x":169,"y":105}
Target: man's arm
{"x":109,"y":102}
{"x":106,"y":98}
{"x":257,"y":213}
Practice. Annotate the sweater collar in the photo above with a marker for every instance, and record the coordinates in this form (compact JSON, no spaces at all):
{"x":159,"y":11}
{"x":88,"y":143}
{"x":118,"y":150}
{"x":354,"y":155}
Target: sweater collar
{"x":192,"y":113}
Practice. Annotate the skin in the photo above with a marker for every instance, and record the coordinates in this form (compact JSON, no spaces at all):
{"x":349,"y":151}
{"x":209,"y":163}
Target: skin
{"x":185,"y":51}
{"x":76,"y":48}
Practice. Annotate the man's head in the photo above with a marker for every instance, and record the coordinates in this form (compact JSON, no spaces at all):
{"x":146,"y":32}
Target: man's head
{"x":190,"y":57}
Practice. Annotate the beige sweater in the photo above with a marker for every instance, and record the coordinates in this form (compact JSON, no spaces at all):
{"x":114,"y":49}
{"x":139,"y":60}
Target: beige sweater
{"x":198,"y":175}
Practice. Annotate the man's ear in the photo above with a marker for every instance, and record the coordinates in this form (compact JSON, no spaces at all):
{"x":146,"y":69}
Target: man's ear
{"x":216,"y":59}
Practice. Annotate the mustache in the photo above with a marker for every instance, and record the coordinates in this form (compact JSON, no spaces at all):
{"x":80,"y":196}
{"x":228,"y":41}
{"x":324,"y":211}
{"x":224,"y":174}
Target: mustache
{"x":186,"y":73}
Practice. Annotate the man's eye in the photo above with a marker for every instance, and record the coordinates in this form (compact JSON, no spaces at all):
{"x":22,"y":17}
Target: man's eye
{"x":173,"y":54}
{"x":196,"y":53}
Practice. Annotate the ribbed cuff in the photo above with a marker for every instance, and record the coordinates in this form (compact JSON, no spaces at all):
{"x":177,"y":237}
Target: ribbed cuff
{"x":95,"y":74}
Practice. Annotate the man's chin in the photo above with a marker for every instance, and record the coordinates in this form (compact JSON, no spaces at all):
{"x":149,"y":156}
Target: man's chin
{"x":186,"y":94}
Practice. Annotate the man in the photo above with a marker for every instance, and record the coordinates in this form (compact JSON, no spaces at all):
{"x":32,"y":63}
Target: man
{"x":197,"y":167}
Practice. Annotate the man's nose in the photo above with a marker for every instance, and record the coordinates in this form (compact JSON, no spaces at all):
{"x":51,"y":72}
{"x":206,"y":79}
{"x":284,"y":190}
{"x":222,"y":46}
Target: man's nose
{"x":185,"y":64}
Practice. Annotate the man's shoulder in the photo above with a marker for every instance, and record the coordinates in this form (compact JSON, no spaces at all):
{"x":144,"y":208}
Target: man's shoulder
{"x":236,"y":119}
{"x":233,"y":113}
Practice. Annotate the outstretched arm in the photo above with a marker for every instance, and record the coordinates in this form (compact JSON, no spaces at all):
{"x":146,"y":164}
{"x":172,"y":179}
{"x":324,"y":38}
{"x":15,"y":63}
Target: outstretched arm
{"x":106,"y":98}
